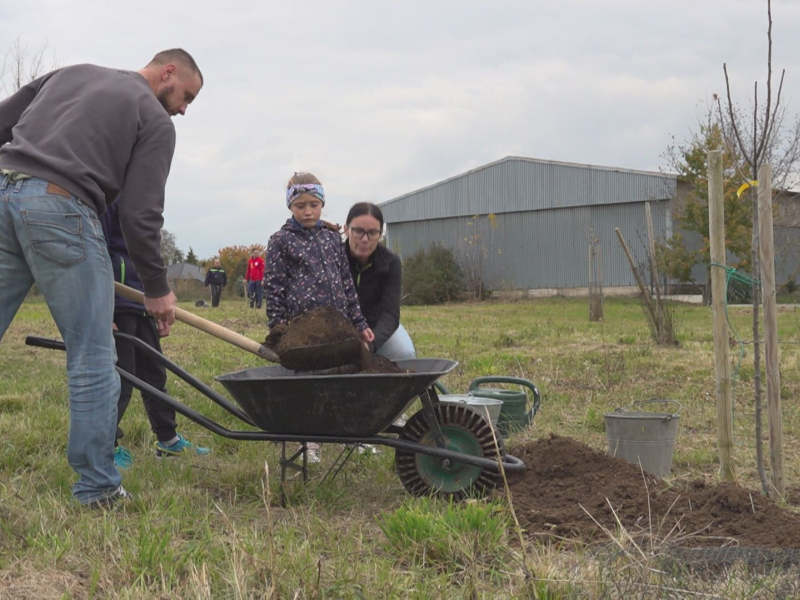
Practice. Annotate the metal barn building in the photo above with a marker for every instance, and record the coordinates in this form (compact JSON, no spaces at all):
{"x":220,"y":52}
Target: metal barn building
{"x":526,"y":224}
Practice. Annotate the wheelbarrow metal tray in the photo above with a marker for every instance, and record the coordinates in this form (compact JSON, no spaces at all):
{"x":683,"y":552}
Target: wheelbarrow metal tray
{"x":279,"y":400}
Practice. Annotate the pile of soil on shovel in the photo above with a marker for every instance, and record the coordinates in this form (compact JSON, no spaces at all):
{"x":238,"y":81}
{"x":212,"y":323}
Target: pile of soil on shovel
{"x":564,"y":475}
{"x":326,"y":325}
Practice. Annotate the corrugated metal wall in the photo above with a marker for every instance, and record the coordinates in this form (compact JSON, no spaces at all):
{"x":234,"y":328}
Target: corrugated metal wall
{"x":516,"y":184}
{"x":538,"y":249}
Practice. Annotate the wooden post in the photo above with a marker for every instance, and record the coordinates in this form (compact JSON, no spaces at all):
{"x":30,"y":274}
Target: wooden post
{"x":591,"y":277}
{"x":595,"y":280}
{"x":651,"y":250}
{"x":599,"y":281}
{"x":639,"y":282}
{"x":766,"y":255}
{"x":722,"y":375}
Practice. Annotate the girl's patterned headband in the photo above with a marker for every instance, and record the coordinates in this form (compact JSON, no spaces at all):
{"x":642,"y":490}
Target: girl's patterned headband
{"x":298,"y":189}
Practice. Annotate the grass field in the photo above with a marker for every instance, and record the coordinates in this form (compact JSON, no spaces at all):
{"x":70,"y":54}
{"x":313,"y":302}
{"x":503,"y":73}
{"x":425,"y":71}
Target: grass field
{"x":210,"y":527}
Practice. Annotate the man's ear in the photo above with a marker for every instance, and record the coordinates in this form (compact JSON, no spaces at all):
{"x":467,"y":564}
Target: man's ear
{"x":168,"y":71}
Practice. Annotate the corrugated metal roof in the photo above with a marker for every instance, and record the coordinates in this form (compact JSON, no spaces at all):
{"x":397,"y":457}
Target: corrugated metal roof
{"x":515,"y":184}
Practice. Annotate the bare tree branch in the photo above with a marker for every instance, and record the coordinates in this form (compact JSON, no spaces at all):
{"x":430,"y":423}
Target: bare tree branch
{"x":768,"y":137}
{"x":766,"y":127}
{"x":20,"y":67}
{"x":733,"y":119}
{"x":729,"y":146}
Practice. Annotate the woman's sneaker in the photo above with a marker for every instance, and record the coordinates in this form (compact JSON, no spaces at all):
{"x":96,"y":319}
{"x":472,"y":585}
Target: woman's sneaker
{"x":367,"y":449}
{"x":108,"y":501}
{"x":401,"y":420}
{"x":179,"y":448}
{"x":313,"y":453}
{"x":122,"y":458}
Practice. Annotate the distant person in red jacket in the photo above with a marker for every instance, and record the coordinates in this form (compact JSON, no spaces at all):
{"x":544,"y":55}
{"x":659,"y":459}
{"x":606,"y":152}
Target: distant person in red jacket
{"x":254,"y":277}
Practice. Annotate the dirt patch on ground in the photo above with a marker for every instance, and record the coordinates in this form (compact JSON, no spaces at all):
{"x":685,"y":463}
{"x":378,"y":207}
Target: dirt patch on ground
{"x":564,"y":475}
{"x":323,"y":338}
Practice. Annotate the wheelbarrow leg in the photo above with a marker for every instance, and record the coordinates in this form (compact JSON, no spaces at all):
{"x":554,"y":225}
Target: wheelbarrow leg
{"x":340,"y":462}
{"x":429,"y":399}
{"x":292,"y":463}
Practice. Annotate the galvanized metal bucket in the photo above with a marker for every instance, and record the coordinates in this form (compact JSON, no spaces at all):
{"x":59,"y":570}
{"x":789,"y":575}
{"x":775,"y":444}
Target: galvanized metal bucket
{"x":642,"y":437}
{"x":477,"y":404}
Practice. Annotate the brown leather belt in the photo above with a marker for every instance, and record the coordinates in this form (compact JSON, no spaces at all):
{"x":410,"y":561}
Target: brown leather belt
{"x":52,"y":188}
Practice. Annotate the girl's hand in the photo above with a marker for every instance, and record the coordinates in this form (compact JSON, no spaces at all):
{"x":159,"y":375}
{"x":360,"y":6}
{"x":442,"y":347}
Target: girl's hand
{"x":367,"y":335}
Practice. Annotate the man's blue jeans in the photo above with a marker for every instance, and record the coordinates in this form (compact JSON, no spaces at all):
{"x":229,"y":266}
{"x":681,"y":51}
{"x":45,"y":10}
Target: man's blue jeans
{"x":254,"y":293}
{"x":58,"y":243}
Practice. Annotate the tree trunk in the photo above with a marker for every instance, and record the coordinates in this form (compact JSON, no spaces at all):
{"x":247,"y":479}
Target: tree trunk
{"x":706,"y":289}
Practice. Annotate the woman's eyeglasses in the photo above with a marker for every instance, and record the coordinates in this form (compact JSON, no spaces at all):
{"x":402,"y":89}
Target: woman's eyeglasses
{"x":372,"y":234}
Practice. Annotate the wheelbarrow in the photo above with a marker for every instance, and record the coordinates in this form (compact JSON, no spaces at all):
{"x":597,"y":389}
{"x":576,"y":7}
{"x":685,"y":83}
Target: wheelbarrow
{"x":445,"y":448}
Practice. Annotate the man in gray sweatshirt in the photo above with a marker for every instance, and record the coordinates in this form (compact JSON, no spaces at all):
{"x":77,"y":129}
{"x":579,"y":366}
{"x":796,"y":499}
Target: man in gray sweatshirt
{"x":69,"y":142}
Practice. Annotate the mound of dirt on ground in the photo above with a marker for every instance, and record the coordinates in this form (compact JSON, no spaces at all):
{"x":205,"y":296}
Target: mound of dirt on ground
{"x":564,"y":475}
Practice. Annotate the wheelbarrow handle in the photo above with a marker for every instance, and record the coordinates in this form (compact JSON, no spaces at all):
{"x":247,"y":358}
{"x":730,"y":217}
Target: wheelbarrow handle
{"x":48,"y":343}
{"x":537,"y":398}
{"x":209,"y":327}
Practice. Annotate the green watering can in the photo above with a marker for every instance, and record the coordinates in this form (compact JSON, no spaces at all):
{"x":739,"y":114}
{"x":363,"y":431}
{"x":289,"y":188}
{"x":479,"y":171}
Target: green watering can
{"x":514,"y":414}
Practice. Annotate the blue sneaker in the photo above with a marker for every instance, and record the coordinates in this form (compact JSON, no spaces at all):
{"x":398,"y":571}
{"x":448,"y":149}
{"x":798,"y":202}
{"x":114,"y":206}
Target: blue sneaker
{"x":179,"y":448}
{"x":122,"y":458}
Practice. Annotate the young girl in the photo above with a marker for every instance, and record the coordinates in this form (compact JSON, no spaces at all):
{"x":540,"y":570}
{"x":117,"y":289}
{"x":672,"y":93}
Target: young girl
{"x":306,"y":266}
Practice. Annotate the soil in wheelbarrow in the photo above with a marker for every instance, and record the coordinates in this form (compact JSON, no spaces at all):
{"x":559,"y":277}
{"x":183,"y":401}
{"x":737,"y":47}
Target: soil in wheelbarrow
{"x":327,"y":327}
{"x":566,"y":481}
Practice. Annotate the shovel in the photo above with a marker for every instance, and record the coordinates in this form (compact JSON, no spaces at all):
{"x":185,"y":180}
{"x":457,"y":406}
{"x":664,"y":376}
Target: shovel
{"x":218,"y":331}
{"x":342,"y":356}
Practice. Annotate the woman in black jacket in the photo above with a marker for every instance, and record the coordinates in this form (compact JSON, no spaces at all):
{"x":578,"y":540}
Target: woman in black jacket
{"x":377,"y":274}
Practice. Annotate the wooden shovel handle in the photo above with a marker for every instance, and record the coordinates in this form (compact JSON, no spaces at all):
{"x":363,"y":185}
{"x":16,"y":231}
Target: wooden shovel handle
{"x":211,"y":328}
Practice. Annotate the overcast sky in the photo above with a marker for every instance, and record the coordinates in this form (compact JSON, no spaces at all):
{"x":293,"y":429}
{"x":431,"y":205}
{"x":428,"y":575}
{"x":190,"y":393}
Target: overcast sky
{"x":381,"y":98}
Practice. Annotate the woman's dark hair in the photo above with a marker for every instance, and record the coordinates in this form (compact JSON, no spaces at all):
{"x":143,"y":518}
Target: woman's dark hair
{"x":365,"y":208}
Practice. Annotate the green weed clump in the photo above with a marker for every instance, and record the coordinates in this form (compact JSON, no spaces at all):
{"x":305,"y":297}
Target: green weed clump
{"x":432,"y":276}
{"x":449,"y":536}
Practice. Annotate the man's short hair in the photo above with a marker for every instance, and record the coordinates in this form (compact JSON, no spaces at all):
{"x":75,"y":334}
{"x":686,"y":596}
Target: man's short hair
{"x":179,"y":56}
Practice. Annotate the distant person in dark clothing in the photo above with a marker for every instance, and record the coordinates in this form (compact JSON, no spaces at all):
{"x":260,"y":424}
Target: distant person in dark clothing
{"x":131,"y":318}
{"x":377,"y":274}
{"x":254,"y":279}
{"x":216,"y":279}
{"x":69,"y":142}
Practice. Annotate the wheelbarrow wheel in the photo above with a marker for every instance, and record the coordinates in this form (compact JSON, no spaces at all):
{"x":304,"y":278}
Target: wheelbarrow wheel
{"x":464,"y":431}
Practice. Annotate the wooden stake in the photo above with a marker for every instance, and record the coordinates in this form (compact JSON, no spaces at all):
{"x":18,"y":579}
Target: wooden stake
{"x":599,"y":282}
{"x":766,"y":251}
{"x":639,"y":281}
{"x":591,"y":278}
{"x":716,"y":232}
{"x":595,"y":281}
{"x":651,"y":251}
